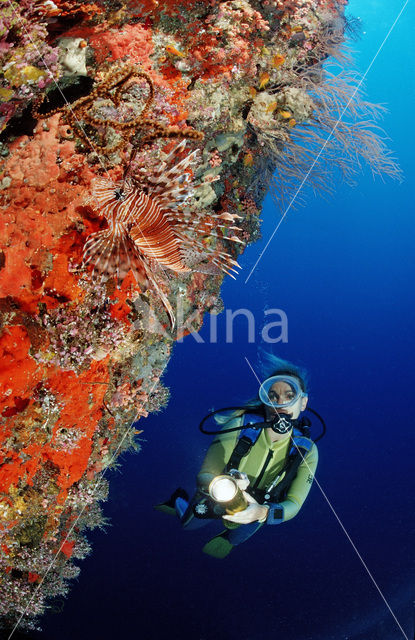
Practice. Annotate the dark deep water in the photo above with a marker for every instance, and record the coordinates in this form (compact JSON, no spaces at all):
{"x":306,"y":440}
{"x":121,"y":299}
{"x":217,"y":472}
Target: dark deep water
{"x":343,"y":272}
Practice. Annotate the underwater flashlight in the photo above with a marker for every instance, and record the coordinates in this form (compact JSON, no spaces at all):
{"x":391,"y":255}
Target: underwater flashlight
{"x":225,"y":490}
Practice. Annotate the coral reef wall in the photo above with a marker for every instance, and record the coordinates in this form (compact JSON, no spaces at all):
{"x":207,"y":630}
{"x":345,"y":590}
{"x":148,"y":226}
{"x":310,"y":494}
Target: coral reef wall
{"x":137,"y":142}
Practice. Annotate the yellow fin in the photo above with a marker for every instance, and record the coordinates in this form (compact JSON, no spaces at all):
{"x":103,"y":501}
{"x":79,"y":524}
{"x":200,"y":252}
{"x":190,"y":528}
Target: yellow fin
{"x":248,"y":159}
{"x":278,"y":60}
{"x":174,"y":52}
{"x":263,"y":79}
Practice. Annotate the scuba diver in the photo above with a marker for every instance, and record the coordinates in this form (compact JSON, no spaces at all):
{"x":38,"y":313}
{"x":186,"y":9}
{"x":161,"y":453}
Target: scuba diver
{"x":259,"y":468}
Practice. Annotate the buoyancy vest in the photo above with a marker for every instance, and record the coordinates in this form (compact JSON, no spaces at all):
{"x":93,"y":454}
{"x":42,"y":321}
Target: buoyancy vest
{"x":300,"y":445}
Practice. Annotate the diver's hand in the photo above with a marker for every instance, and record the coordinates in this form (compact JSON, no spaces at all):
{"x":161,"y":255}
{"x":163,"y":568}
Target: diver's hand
{"x":252,"y":513}
{"x":240,"y":478}
{"x":243,"y":483}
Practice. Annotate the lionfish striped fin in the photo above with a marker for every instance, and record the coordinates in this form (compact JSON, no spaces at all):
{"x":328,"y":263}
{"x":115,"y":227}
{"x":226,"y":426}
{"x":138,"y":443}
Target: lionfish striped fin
{"x":161,"y":244}
{"x":171,"y":183}
{"x":112,"y":252}
{"x":154,"y":285}
{"x":179,"y":217}
{"x":169,"y":159}
{"x":173,"y":162}
{"x":151,"y":232}
{"x":197,"y":263}
{"x":213,"y":264}
{"x":195,"y":250}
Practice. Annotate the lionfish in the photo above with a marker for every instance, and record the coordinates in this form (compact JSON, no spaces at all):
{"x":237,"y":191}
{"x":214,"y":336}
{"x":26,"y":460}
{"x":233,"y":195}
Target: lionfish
{"x":150,"y":228}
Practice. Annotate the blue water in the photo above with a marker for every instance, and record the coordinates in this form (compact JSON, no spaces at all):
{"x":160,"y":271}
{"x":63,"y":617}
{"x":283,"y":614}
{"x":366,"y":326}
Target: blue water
{"x":343,"y":272}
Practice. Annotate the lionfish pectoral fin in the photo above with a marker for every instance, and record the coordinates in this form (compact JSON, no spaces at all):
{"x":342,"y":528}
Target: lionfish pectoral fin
{"x":196,"y":261}
{"x":98,"y":250}
{"x":113,"y":253}
{"x":133,"y":259}
{"x":208,"y":268}
{"x":154,"y":285}
{"x":194,"y":252}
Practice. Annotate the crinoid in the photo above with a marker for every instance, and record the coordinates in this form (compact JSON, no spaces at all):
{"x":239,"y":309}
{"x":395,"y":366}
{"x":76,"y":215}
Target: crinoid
{"x":151,"y":227}
{"x":110,"y":107}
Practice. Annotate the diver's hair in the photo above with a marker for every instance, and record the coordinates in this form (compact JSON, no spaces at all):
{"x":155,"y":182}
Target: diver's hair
{"x":270,"y":366}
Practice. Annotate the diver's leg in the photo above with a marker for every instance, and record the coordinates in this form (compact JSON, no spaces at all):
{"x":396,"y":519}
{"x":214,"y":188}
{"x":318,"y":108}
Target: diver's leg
{"x":179,"y":505}
{"x":186,"y":513}
{"x":220,"y":546}
{"x":243,"y":533}
{"x":169,"y":506}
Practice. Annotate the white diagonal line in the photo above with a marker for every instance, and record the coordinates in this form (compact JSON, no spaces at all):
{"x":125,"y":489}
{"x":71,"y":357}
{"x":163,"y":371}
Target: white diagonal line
{"x":356,"y":550}
{"x":81,"y":512}
{"x":344,"y":529}
{"x":327,"y":140}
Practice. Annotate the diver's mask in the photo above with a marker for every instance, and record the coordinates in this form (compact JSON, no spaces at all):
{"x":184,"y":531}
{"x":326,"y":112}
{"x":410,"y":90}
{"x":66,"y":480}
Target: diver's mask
{"x":283,"y":398}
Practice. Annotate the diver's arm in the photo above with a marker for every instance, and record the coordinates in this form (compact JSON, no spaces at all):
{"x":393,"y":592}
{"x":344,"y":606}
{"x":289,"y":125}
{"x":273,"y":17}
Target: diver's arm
{"x":298,"y":491}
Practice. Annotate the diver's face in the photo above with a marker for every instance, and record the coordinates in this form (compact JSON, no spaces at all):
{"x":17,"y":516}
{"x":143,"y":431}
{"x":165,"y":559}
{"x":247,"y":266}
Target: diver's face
{"x":282,"y":393}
